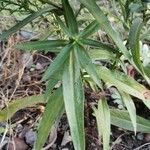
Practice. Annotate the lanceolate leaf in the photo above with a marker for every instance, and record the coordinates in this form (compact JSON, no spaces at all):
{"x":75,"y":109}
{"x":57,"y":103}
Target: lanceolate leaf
{"x":122,"y":119}
{"x":130,"y":107}
{"x":18,"y":104}
{"x":86,"y":63}
{"x":58,"y":62}
{"x":134,"y":38}
{"x":125,"y":83}
{"x":74,"y":101}
{"x":70,"y":17}
{"x":102,"y":115}
{"x":22,"y":23}
{"x":50,"y":86}
{"x":49,"y":45}
{"x":98,"y":44}
{"x":98,"y":54}
{"x":63,"y":27}
{"x":104,"y":23}
{"x":53,"y":110}
{"x":90,"y":29}
{"x":52,"y":82}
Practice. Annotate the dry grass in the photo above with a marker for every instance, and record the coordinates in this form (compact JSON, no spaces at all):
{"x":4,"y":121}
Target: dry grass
{"x":16,"y":81}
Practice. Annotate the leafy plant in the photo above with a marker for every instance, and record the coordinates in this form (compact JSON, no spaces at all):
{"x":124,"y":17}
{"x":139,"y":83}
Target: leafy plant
{"x":73,"y":58}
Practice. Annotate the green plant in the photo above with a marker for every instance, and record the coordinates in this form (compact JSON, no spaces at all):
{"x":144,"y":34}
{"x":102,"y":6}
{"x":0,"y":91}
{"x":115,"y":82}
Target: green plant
{"x":69,"y":65}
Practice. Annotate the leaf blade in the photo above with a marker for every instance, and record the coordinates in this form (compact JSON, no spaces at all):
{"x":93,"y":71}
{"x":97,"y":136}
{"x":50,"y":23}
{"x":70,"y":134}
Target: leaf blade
{"x":63,"y":27}
{"x":70,"y":17}
{"x":122,"y":119}
{"x":74,"y":101}
{"x":104,"y":23}
{"x":130,"y":107}
{"x":52,"y":111}
{"x":98,"y":44}
{"x":18,"y":104}
{"x":86,"y":63}
{"x":134,"y":35}
{"x":24,"y":22}
{"x":125,"y":83}
{"x":50,"y":45}
{"x":98,"y":54}
{"x":90,"y":29}
{"x":102,"y":115}
{"x":57,"y":63}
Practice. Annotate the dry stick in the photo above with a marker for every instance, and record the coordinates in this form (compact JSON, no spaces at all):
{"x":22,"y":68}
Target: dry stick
{"x":7,"y":142}
{"x":138,"y":148}
{"x":3,"y":137}
{"x":117,"y":141}
{"x":20,"y":76}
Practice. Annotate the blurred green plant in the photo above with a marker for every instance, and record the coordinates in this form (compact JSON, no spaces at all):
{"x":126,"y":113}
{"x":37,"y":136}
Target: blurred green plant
{"x":76,"y":52}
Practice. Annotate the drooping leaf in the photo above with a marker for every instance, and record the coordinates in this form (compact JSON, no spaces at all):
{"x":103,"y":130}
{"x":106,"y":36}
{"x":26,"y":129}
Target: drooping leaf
{"x":70,"y":17}
{"x":53,"y":110}
{"x":86,"y":63}
{"x":134,"y":41}
{"x":74,"y":101}
{"x":90,"y":29}
{"x":104,"y":23}
{"x":24,"y":22}
{"x":122,"y":119}
{"x":102,"y":115}
{"x":130,"y":107}
{"x":134,"y":38}
{"x":18,"y":104}
{"x":58,"y":62}
{"x":50,"y":45}
{"x":125,"y":83}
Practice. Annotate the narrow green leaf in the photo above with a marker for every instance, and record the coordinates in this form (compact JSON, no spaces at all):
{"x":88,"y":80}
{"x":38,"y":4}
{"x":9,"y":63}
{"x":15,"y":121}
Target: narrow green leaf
{"x":58,"y":62}
{"x":102,"y":115}
{"x":146,"y":1}
{"x":104,"y":23}
{"x":134,"y":41}
{"x":127,"y":9}
{"x":90,"y":29}
{"x":50,"y":86}
{"x":98,"y":44}
{"x":86,"y":63}
{"x":18,"y":104}
{"x":125,"y":83}
{"x":122,"y":119}
{"x":49,"y":45}
{"x":63,"y":27}
{"x":146,"y":36}
{"x":147,"y":70}
{"x":98,"y":54}
{"x":22,"y":23}
{"x":130,"y":107}
{"x":70,"y":17}
{"x":52,"y":112}
{"x":134,"y":38}
{"x":52,"y":82}
{"x":74,"y":101}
